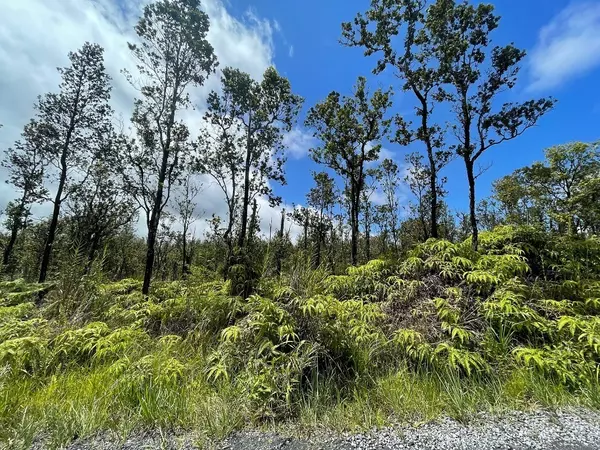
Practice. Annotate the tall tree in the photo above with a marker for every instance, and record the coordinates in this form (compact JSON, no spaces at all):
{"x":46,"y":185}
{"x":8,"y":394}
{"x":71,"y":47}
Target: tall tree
{"x":74,"y":120}
{"x":25,"y":164}
{"x":413,"y":62}
{"x":186,"y":207}
{"x":304,"y":217}
{"x":350,"y":129}
{"x":322,"y":199}
{"x":101,"y":207}
{"x":418,"y":181}
{"x":221,"y":157}
{"x":261,"y":113}
{"x":388,"y":177}
{"x":173,"y":56}
{"x":474,"y":76}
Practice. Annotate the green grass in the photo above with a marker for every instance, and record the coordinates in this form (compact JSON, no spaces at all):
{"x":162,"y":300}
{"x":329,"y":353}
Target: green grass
{"x":80,"y":403}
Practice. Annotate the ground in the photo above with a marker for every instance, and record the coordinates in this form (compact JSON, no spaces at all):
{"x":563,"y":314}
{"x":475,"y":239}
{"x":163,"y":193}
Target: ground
{"x":573,"y":429}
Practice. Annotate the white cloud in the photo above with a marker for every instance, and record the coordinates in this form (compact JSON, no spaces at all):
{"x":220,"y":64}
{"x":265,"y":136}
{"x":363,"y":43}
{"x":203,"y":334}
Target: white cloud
{"x":36,"y":36}
{"x":212,"y":202}
{"x":567,"y":47}
{"x":298,"y":142}
{"x":385,"y":153}
{"x":291,"y":51}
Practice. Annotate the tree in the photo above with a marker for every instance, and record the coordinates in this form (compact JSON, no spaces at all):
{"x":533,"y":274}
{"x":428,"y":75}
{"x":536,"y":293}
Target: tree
{"x":414,"y":62}
{"x":367,"y":209}
{"x":322,"y":199}
{"x":101,"y":207}
{"x":304,"y":217}
{"x":474,"y":76}
{"x":350,"y":129}
{"x":280,"y":245}
{"x":263,"y":112}
{"x":73,"y":122}
{"x":417,"y":180}
{"x":516,"y":205}
{"x":488,"y":214}
{"x":186,"y":207}
{"x":25,"y":164}
{"x":221,"y":156}
{"x":562,"y":188}
{"x":174,"y":55}
{"x":388,"y":178}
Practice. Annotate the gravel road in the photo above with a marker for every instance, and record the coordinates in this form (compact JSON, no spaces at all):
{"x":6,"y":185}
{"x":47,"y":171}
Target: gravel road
{"x":562,"y":430}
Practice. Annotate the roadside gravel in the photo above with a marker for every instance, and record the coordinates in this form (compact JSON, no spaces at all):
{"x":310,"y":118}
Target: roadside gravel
{"x":574,"y":429}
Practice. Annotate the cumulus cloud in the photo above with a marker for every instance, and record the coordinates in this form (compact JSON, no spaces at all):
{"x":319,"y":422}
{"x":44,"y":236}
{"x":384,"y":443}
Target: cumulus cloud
{"x":36,"y":36}
{"x":298,"y":142}
{"x":567,"y":47}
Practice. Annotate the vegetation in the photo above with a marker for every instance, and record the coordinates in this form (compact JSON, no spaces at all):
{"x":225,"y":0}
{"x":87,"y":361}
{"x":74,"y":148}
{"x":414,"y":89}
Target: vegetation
{"x":446,"y":330}
{"x":368,"y":316}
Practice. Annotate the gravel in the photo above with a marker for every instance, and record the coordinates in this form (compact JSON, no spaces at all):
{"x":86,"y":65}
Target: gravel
{"x":574,"y":429}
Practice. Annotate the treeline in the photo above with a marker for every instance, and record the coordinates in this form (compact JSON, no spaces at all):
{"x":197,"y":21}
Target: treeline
{"x":100,"y":178}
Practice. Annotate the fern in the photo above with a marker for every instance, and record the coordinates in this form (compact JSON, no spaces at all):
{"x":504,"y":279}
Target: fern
{"x":24,"y":354}
{"x":79,"y":344}
{"x":447,"y":356}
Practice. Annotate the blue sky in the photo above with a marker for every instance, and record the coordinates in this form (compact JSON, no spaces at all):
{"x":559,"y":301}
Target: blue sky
{"x":301,"y":40}
{"x":320,"y":64}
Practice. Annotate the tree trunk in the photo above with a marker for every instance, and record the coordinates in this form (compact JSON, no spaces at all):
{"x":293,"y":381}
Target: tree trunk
{"x":184,"y":265}
{"x":395,"y":239}
{"x":320,"y":239}
{"x":280,"y":246}
{"x":424,"y":226}
{"x":53,"y":222}
{"x":10,"y":245}
{"x":153,"y":225}
{"x":472,"y":213}
{"x":354,"y":243}
{"x":432,"y":165}
{"x":367,"y":238}
{"x":150,"y":255}
{"x":354,"y":225}
{"x":434,"y":201}
{"x":306,"y":223}
{"x":383,"y":239}
{"x":246,"y":201}
{"x":332,"y":249}
{"x":318,"y":249}
{"x":94,"y":244}
{"x":227,"y":264}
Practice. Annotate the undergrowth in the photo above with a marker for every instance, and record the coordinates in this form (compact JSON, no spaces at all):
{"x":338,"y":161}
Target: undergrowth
{"x":444,"y":331}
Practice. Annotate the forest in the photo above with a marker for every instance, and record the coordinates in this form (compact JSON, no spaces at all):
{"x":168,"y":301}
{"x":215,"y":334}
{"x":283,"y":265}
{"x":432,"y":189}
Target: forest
{"x":116,"y":316}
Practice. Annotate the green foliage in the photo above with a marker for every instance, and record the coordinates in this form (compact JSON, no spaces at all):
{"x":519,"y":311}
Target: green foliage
{"x":265,"y":356}
{"x":366,"y":282}
{"x":446,"y":317}
{"x":24,"y":354}
{"x":18,"y":291}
